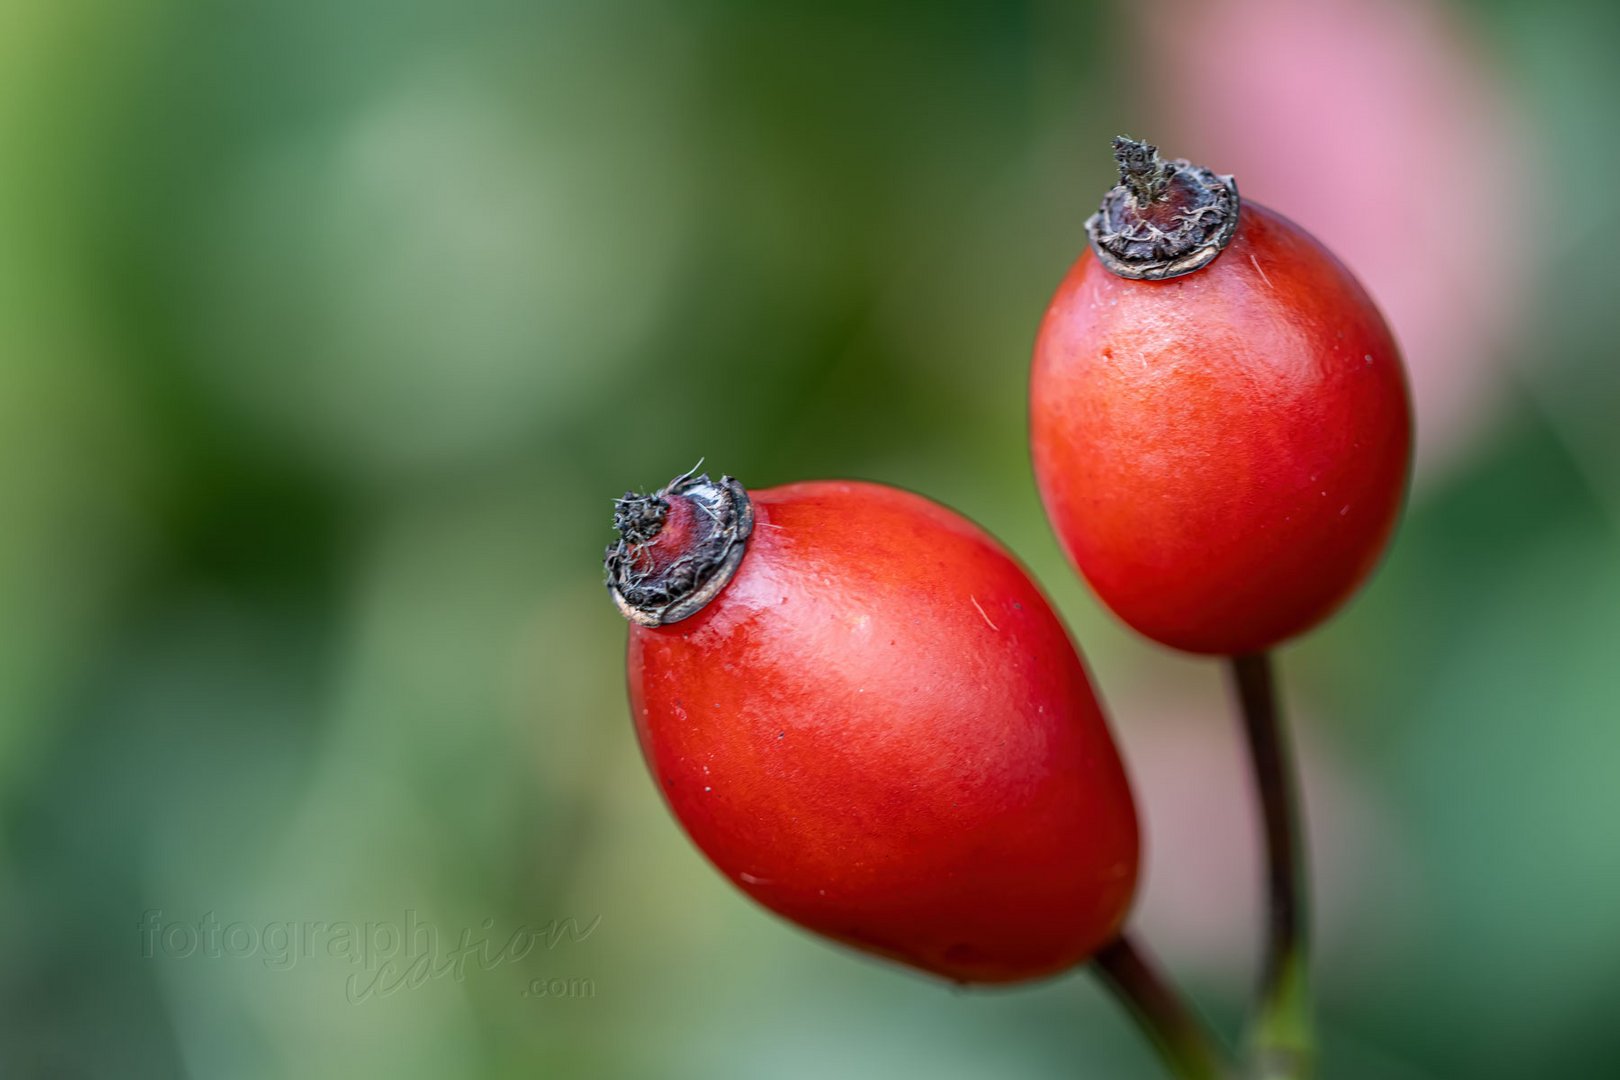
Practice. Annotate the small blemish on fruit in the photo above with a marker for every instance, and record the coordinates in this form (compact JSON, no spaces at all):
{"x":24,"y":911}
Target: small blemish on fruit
{"x":1343,"y":510}
{"x":1368,"y":358}
{"x":1261,"y":272}
{"x":982,"y":615}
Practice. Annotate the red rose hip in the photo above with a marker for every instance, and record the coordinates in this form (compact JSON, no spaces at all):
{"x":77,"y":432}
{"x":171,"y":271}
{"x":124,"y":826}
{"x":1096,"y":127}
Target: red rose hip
{"x":866,"y":715}
{"x":1219,"y":416}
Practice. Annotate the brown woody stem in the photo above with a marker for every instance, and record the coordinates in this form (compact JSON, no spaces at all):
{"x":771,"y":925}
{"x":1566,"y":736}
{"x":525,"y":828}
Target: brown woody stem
{"x":1182,"y":1039}
{"x":1281,"y":1039}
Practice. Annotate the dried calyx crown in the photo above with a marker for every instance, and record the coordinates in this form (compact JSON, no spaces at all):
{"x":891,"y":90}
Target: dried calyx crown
{"x":659,"y":577}
{"x":1164,"y":218}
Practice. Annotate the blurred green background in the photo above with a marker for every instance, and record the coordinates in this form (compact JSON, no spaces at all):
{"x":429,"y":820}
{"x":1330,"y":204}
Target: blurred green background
{"x":329,"y":330}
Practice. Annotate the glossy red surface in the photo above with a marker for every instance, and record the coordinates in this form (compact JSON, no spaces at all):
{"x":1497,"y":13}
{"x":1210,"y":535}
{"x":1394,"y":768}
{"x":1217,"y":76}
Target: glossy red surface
{"x":1223,"y":455}
{"x":881,"y":731}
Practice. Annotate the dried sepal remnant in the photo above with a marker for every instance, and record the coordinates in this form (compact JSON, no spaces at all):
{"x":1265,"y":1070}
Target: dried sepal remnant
{"x":1164,"y":218}
{"x":677,"y":548}
{"x":638,"y":518}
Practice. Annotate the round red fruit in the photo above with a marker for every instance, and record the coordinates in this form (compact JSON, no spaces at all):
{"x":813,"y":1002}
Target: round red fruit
{"x":1219,"y":416}
{"x":872,"y":722}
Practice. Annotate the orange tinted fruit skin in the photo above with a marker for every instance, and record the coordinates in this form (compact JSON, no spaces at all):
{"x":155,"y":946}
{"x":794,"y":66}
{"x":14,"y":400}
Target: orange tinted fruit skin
{"x":1222,"y":455}
{"x":880,"y":730}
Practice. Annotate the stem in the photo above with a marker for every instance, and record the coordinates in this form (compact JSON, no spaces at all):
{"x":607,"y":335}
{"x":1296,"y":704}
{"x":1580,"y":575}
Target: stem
{"x":1281,"y":1040}
{"x":1181,"y":1038}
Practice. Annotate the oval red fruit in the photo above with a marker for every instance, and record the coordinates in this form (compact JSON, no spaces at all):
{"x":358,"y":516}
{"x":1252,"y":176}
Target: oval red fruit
{"x":877,"y":727}
{"x":1223,"y":454}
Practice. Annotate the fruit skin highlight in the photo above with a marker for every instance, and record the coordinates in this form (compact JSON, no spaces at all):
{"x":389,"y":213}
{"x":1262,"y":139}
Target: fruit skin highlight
{"x":879,"y":729}
{"x":1222,"y":454}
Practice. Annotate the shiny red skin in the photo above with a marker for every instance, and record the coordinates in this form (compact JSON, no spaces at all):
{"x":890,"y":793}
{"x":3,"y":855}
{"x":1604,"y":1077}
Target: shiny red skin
{"x":1223,"y":455}
{"x":880,"y":730}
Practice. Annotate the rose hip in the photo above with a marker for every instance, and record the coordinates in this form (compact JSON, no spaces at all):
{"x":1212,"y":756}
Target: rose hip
{"x":1219,"y":416}
{"x":867,"y":716}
